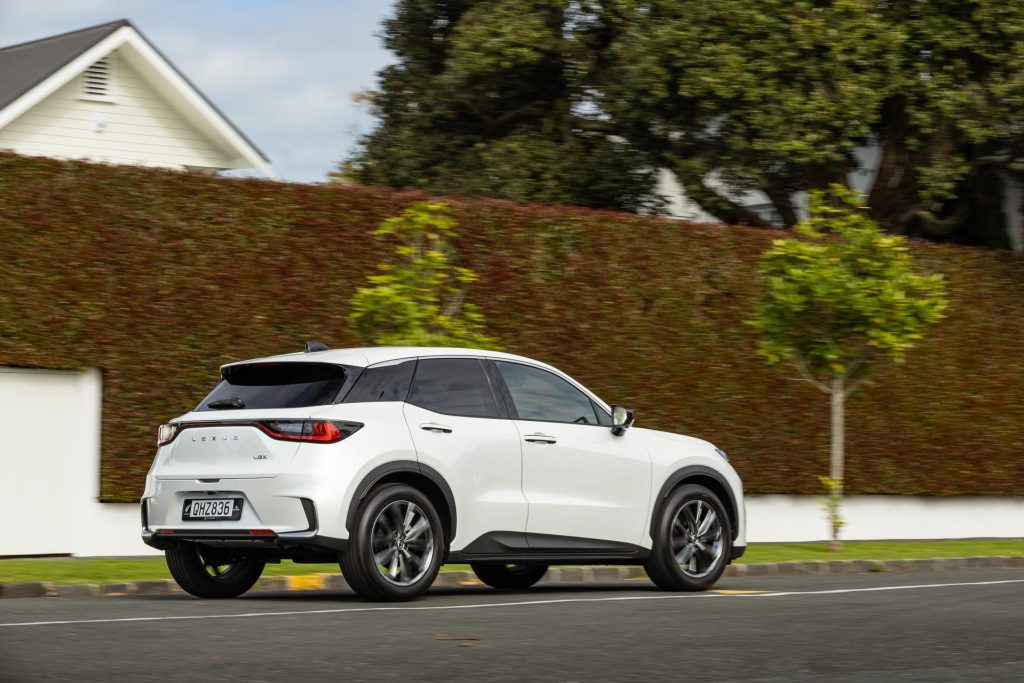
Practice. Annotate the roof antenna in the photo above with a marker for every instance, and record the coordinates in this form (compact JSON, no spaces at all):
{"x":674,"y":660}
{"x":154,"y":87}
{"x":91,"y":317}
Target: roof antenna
{"x":312,"y":346}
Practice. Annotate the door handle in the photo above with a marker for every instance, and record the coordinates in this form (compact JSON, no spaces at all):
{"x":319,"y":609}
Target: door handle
{"x":436,"y":428}
{"x":540,"y":438}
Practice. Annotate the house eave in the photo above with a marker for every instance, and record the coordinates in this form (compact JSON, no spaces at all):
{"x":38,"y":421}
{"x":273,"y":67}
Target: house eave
{"x":166,"y":78}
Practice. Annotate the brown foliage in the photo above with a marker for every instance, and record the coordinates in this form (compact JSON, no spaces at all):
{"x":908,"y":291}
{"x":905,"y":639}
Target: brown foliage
{"x":159,"y":277}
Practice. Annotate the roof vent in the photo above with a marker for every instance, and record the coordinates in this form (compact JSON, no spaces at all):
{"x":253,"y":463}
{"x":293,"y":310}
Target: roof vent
{"x":312,"y":346}
{"x":96,"y":82}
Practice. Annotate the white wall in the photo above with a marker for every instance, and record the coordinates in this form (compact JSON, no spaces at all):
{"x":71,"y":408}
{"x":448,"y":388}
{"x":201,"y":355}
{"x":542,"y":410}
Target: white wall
{"x":49,"y":486}
{"x":137,"y":126}
{"x":49,"y":469}
{"x":800,"y":518}
{"x":40,"y":455}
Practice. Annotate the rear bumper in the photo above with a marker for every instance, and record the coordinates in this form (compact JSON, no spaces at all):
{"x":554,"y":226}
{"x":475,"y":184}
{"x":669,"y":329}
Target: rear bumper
{"x":245,"y":540}
{"x":280,"y":504}
{"x":161,"y":537}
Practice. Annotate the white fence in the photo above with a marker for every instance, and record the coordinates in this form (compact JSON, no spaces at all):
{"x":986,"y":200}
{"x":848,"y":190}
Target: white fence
{"x":49,"y":486}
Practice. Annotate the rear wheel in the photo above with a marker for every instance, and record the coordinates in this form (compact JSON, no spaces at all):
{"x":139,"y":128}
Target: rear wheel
{"x":212,"y":572}
{"x":396,"y":547}
{"x":509,"y":576}
{"x":692,"y":541}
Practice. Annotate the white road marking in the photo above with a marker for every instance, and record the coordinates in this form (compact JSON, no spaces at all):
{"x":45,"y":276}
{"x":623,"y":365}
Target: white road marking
{"x":521,"y":603}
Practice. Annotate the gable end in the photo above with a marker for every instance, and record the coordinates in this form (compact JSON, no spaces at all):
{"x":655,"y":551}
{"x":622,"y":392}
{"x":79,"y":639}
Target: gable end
{"x":96,"y":82}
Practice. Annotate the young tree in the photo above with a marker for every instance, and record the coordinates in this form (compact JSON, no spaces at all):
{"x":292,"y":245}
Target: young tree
{"x":419,"y":298}
{"x":841,"y":298}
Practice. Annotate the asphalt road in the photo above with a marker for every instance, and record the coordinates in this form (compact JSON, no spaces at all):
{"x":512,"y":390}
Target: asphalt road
{"x":867,"y":627}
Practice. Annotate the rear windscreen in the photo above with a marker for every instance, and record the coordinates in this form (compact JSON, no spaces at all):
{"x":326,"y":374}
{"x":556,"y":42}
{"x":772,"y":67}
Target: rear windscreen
{"x":276,"y":385}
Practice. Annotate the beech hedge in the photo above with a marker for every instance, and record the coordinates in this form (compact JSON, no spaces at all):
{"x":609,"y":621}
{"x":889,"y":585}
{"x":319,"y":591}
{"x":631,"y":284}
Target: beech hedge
{"x":158,"y":277}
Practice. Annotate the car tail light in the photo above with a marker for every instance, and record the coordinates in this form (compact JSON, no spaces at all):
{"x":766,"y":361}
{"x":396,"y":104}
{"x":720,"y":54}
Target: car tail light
{"x":310,"y":431}
{"x":165,"y":434}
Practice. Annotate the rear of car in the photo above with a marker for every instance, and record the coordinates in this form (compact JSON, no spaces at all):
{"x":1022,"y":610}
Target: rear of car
{"x":249,"y":467}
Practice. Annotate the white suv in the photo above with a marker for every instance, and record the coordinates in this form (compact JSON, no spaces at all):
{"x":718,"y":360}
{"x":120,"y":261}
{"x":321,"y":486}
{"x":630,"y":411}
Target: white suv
{"x":394,"y":461}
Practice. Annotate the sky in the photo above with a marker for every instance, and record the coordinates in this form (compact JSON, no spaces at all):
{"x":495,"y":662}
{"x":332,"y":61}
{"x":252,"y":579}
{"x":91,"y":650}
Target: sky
{"x":282,"y":71}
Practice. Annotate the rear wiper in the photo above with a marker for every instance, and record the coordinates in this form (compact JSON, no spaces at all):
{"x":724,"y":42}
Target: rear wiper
{"x":225,"y":403}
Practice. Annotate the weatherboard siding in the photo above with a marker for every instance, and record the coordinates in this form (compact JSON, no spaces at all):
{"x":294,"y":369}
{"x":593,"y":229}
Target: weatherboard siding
{"x":137,"y":127}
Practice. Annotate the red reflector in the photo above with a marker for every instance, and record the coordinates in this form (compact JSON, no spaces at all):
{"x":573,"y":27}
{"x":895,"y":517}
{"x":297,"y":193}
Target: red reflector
{"x":165,"y":531}
{"x":261,"y":532}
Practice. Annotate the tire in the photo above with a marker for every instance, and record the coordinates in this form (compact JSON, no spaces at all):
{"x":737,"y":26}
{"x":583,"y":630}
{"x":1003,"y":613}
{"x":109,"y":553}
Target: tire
{"x":687,"y":556}
{"x":393,"y":554}
{"x":509,"y":576}
{"x":211,"y":572}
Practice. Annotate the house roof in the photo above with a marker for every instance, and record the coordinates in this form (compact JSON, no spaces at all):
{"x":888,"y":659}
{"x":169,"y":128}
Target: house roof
{"x":26,"y":65}
{"x":41,"y":65}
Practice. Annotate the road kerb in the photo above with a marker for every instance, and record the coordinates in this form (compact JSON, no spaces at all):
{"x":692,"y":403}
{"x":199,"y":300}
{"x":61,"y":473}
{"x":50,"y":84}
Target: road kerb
{"x":555,"y":575}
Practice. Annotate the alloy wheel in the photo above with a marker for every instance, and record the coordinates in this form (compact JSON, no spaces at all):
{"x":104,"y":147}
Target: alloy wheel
{"x":218,"y":567}
{"x":696,"y":536}
{"x":402,"y":543}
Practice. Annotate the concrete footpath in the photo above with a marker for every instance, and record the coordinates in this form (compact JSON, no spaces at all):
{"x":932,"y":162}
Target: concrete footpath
{"x":555,"y":575}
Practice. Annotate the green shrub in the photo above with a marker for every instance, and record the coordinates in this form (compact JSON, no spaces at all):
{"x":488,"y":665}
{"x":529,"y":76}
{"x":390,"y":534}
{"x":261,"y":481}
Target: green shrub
{"x":418,"y":297}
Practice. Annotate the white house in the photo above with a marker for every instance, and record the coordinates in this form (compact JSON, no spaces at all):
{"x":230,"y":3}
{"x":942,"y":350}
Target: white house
{"x":106,"y":94}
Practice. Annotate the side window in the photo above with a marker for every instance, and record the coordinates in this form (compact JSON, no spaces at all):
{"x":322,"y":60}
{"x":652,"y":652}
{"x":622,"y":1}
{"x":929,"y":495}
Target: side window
{"x":385,"y":382}
{"x":453,"y":386}
{"x":541,"y":395}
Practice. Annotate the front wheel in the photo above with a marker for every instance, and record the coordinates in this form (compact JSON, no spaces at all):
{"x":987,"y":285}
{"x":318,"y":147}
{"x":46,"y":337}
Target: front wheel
{"x":509,"y":576}
{"x":212,"y":572}
{"x":396,"y":547}
{"x":692,"y":541}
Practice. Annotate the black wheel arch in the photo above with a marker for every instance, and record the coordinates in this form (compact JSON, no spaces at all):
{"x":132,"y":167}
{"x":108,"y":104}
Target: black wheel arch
{"x":418,"y":475}
{"x":706,"y":477}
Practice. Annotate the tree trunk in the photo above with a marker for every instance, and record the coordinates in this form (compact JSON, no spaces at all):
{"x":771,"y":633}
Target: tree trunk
{"x":838,"y":406}
{"x":821,"y":176}
{"x":894,"y":189}
{"x":780,"y":197}
{"x":838,"y":395}
{"x":712,"y":201}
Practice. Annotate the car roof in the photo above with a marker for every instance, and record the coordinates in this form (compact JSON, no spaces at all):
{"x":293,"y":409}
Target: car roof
{"x":371,"y":355}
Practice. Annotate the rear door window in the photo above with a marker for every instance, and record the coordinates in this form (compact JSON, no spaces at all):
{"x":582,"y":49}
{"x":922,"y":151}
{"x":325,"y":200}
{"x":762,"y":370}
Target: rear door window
{"x":277,"y":385}
{"x":384,"y":382}
{"x":453,"y":386}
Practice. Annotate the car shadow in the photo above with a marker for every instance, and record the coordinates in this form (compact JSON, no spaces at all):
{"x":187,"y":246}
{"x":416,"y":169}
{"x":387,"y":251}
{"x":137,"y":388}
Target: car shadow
{"x":347,"y":596}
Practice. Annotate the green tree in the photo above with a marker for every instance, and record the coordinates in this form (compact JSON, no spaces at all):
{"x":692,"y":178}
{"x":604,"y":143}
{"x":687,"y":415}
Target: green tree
{"x":578,"y":101}
{"x":951,"y":124}
{"x":418,"y":299}
{"x":741,"y":95}
{"x":777,"y":96}
{"x":841,"y":298}
{"x":486,"y":100}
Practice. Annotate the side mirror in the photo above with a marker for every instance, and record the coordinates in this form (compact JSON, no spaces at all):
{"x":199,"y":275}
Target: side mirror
{"x":622,"y":419}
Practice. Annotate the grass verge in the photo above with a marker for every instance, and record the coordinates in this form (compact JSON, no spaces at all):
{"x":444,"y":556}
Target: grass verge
{"x":114,"y":570}
{"x":881,"y":550}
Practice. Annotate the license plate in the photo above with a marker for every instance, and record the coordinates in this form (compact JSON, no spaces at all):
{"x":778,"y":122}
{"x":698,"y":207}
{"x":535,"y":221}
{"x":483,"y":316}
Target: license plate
{"x":212,"y":508}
